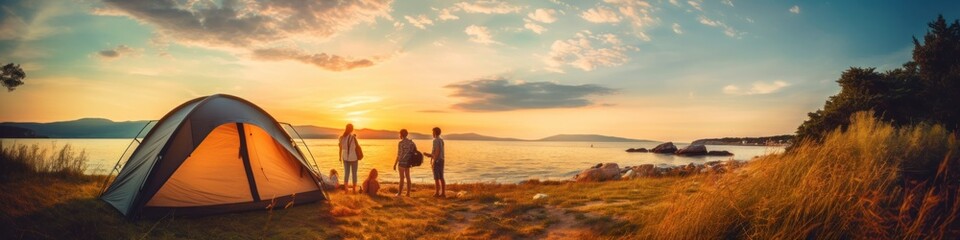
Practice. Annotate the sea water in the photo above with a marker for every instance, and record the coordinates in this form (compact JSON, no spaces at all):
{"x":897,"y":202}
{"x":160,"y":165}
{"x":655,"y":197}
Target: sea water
{"x":467,"y":161}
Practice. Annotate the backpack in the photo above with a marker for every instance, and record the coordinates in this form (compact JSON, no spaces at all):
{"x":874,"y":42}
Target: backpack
{"x":358,"y":151}
{"x":416,"y":158}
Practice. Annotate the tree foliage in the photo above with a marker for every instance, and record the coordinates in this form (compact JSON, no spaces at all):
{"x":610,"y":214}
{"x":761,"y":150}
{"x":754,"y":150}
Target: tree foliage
{"x":924,"y":90}
{"x":12,"y":76}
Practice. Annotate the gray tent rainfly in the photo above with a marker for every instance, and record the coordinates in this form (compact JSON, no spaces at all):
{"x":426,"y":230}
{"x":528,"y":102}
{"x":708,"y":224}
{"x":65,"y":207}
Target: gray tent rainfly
{"x":213,"y":154}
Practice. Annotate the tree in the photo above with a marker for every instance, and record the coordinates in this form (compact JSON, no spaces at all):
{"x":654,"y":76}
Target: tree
{"x":12,"y":76}
{"x":925,"y":90}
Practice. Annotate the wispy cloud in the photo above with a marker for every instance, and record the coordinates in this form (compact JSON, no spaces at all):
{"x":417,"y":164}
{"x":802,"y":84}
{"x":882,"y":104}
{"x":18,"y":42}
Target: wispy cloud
{"x":695,"y":5}
{"x":677,"y":29}
{"x":727,"y":29}
{"x":488,"y":7}
{"x":580,"y":52}
{"x":446,"y":14}
{"x":355,"y":101}
{"x":638,"y":13}
{"x":756,"y":88}
{"x":30,"y":20}
{"x":534,"y":27}
{"x":421,"y":21}
{"x":795,"y":9}
{"x":543,"y":15}
{"x":727,"y":2}
{"x":479,"y":34}
{"x":500,"y":94}
{"x":600,"y":15}
{"x":329,"y":62}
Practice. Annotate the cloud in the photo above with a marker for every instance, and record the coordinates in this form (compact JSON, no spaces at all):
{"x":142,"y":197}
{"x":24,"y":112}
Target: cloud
{"x":536,"y":28}
{"x":241,"y":23}
{"x":329,"y":62}
{"x":446,"y":14}
{"x":727,"y":29}
{"x":675,"y":3}
{"x":695,"y":5}
{"x":27,"y":20}
{"x":676,"y":28}
{"x":499,"y":94}
{"x":419,"y":21}
{"x":756,"y":88}
{"x":479,"y":34}
{"x":600,"y":15}
{"x":543,"y":15}
{"x":580,"y":52}
{"x":795,"y":9}
{"x":248,"y":25}
{"x":117,"y":52}
{"x":488,"y":7}
{"x":638,"y":13}
{"x":727,"y":2}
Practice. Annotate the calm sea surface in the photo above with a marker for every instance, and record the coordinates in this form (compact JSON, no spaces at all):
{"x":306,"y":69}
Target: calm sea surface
{"x":467,"y":161}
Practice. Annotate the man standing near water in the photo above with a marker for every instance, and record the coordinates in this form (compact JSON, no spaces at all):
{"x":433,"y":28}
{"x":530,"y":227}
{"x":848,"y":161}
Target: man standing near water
{"x":436,"y":163}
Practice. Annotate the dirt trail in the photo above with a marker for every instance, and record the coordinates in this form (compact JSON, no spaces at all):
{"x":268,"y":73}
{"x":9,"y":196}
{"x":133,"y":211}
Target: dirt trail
{"x":565,"y":225}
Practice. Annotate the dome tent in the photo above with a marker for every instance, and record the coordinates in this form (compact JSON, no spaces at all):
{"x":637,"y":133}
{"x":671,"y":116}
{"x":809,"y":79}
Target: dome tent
{"x":210,"y":155}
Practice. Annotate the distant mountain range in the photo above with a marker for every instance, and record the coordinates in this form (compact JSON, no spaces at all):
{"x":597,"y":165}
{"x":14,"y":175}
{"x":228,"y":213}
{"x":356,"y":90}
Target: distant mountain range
{"x":106,"y":128}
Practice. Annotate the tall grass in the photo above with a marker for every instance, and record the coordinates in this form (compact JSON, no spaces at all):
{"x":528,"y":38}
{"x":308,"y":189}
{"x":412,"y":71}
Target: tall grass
{"x":871,"y":181}
{"x":19,"y":160}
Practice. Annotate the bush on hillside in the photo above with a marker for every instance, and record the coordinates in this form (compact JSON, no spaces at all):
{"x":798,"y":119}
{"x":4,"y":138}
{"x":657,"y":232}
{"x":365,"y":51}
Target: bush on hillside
{"x":924,"y":90}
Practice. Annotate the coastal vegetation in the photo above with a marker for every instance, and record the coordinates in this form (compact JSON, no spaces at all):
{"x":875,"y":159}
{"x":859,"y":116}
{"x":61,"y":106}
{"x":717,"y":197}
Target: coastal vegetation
{"x":747,"y":141}
{"x":923,"y":90}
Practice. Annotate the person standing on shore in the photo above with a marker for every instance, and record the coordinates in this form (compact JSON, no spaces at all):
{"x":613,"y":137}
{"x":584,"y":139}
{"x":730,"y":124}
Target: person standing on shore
{"x":436,"y":163}
{"x":405,"y":150}
{"x":350,"y":155}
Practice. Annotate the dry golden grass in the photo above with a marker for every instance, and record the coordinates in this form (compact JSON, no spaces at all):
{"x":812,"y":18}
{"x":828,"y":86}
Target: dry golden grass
{"x":870,"y":182}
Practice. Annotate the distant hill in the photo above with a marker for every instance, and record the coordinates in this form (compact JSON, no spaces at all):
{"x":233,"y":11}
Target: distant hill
{"x":310,"y":131}
{"x":476,"y":137}
{"x":589,"y":138}
{"x":18,"y":132}
{"x":82,"y":128}
{"x":105,"y":128}
{"x":749,"y":141}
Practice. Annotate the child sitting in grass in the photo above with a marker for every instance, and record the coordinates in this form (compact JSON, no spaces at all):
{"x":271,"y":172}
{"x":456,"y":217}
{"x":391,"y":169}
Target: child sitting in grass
{"x":370,"y":186}
{"x":330,"y":182}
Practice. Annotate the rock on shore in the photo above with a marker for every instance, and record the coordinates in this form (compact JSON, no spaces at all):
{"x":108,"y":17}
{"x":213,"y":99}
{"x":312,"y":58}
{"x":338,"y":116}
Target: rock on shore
{"x":666,"y":147}
{"x":693,"y":150}
{"x":643,"y":150}
{"x":605,"y":172}
{"x":610,"y":171}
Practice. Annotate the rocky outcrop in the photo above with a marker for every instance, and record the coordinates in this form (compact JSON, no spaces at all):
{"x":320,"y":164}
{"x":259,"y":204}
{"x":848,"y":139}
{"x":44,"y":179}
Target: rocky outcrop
{"x":666,"y":147}
{"x":650,"y":170}
{"x":719,"y":153}
{"x":606,"y":172}
{"x":642,"y":150}
{"x":693,"y":150}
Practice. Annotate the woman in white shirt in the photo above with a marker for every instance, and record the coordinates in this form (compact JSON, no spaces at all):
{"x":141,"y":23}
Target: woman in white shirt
{"x":350,"y":155}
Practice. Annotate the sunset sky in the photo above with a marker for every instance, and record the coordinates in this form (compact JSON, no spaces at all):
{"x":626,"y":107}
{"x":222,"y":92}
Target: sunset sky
{"x":664,"y":70}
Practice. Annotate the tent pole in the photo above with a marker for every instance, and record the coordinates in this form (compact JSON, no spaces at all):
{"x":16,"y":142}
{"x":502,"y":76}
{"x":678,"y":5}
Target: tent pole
{"x":315,"y":165}
{"x":106,"y":179}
